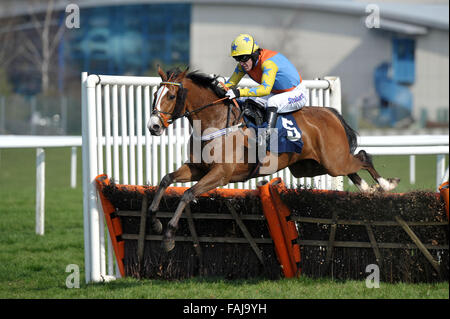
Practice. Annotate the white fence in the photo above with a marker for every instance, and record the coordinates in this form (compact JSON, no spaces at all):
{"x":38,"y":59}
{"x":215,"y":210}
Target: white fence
{"x":122,"y":110}
{"x":410,"y":145}
{"x":39,"y":143}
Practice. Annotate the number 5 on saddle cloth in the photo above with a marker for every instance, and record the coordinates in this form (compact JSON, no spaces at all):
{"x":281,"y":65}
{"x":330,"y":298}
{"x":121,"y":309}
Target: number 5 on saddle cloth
{"x":288,"y":136}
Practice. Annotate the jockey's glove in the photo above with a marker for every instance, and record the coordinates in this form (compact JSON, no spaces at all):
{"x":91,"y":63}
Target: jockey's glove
{"x":233,"y":94}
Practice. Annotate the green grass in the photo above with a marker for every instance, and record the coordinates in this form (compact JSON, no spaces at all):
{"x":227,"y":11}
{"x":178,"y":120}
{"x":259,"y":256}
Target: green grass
{"x":33,"y":266}
{"x":302,"y":288}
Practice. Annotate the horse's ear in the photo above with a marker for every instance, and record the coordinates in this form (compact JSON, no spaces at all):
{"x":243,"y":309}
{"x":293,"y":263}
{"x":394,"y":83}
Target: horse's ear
{"x":162,"y":74}
{"x":183,"y":74}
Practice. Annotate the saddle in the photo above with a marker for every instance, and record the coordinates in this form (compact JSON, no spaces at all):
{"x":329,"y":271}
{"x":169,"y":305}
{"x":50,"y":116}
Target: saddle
{"x":254,"y":112}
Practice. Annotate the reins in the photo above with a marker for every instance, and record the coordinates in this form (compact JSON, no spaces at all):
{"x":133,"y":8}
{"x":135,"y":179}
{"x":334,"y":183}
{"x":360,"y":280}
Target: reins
{"x":187,"y":113}
{"x":164,"y":116}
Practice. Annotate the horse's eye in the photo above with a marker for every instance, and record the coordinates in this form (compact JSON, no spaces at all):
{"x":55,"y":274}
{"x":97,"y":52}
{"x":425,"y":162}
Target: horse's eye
{"x":171,"y":97}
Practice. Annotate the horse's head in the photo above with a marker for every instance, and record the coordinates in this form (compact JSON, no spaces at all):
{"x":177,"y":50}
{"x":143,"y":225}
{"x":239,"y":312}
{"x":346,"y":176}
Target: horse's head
{"x":168,"y":101}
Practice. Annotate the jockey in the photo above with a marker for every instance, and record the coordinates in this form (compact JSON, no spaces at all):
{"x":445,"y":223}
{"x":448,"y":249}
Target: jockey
{"x":281,"y":89}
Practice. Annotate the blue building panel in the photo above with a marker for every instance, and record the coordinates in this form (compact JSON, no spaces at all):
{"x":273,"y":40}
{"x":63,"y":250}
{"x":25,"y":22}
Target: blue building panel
{"x":130,"y":39}
{"x":403,"y":65}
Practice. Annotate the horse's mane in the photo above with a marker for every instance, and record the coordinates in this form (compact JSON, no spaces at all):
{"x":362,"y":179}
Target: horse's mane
{"x":200,"y":79}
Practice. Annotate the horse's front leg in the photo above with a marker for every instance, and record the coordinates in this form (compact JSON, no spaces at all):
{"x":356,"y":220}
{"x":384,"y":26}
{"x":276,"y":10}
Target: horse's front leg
{"x":186,"y":173}
{"x":215,"y":178}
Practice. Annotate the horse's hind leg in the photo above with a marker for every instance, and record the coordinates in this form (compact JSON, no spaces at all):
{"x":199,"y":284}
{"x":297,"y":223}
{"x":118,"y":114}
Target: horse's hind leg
{"x":386,"y":184}
{"x":359,"y":182}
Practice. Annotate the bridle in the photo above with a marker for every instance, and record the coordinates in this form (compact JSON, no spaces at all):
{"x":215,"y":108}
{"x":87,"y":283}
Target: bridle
{"x":168,"y":118}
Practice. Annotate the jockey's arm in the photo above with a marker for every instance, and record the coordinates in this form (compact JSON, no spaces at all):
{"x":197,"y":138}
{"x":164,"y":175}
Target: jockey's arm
{"x":269,"y":72}
{"x":238,"y":74}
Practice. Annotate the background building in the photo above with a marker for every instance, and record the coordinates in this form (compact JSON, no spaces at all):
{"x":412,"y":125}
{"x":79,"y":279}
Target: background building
{"x":394,"y":69}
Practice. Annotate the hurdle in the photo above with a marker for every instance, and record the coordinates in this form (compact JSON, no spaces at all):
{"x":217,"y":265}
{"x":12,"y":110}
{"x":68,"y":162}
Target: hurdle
{"x":274,"y":232}
{"x":115,"y":141}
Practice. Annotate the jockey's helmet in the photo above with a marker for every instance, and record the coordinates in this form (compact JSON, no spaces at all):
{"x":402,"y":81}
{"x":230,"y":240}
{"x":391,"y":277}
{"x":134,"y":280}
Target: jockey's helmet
{"x":244,"y":44}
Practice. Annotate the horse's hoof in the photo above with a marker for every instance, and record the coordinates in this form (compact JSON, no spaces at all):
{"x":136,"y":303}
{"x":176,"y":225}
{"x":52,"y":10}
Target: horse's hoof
{"x":388,"y":184}
{"x":157,"y":226}
{"x":376,"y":188}
{"x":394,"y":181}
{"x":168,"y":244}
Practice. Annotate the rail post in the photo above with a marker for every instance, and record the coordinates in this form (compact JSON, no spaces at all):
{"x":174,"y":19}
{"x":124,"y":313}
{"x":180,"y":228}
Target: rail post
{"x":40,"y":191}
{"x":440,"y":169}
{"x":73,"y":167}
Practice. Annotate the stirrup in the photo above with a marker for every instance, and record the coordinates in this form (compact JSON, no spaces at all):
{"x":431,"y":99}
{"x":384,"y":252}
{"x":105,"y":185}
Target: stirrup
{"x":272,"y":117}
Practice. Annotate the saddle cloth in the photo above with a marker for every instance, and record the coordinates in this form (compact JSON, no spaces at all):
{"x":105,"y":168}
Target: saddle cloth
{"x":287,"y":136}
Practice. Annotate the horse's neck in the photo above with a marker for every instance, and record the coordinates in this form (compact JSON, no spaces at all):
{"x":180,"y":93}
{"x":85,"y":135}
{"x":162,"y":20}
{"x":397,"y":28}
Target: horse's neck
{"x":214,"y":116}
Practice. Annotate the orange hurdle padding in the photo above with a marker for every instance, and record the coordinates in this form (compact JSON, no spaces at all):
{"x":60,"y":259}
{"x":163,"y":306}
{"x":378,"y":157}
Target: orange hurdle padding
{"x":113,"y":223}
{"x":443,"y":189}
{"x":289,"y":229}
{"x":283,"y":232}
{"x":179,"y":191}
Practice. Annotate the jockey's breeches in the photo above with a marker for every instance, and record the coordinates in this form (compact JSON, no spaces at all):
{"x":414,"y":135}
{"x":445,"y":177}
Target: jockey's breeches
{"x":284,"y":102}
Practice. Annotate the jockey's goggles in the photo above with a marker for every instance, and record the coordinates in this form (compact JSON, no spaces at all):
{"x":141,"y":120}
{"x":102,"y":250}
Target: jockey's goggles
{"x":242,"y":58}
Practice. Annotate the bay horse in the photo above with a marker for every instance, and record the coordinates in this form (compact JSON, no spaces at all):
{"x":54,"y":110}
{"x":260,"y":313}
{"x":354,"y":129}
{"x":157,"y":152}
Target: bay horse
{"x":329,"y":144}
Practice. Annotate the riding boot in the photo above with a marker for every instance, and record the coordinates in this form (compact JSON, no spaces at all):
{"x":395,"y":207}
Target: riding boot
{"x":272,"y":116}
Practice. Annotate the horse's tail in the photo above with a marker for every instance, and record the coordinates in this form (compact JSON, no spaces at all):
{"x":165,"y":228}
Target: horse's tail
{"x":351,"y":133}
